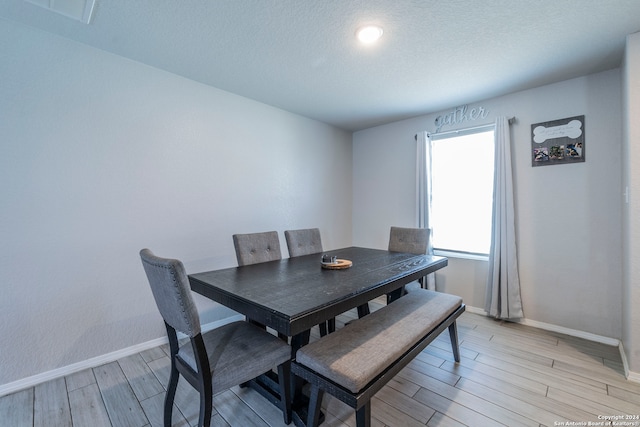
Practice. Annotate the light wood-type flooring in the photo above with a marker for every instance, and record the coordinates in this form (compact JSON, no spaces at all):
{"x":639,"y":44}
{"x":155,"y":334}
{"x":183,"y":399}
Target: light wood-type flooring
{"x":509,"y":374}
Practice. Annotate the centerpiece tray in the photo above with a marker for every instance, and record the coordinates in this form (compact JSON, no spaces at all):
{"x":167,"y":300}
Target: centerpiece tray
{"x":338,"y":265}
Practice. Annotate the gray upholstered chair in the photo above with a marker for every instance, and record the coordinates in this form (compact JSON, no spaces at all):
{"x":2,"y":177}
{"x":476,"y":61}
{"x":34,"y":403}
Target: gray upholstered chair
{"x":255,"y":248}
{"x":408,"y":240}
{"x":303,"y":242}
{"x":306,"y":242}
{"x":216,"y":360}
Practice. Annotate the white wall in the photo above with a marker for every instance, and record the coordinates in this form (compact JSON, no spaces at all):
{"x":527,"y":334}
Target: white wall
{"x":102,"y":156}
{"x":568,"y":216}
{"x":631,"y":213}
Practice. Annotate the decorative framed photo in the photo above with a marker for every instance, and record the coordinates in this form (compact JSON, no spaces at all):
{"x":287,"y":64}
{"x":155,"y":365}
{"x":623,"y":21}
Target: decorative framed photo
{"x":558,"y":142}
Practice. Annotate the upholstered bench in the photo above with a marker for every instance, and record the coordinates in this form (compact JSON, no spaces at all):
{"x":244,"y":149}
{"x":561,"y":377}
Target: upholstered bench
{"x":355,"y":362}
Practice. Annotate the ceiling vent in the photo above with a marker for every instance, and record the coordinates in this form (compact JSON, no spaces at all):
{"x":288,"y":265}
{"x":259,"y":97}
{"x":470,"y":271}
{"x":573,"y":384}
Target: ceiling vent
{"x":80,"y":10}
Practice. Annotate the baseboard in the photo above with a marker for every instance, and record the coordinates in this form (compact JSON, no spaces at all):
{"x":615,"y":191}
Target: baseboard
{"x":555,"y":328}
{"x":31,"y":381}
{"x":631,"y":376}
{"x":77,"y":367}
{"x":634,"y":377}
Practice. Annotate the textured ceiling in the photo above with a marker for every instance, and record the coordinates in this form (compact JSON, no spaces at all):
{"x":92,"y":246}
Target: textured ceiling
{"x":302,"y":55}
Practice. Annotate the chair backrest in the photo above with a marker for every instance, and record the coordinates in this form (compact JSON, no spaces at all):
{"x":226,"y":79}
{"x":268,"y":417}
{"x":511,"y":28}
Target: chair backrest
{"x":303,"y":242}
{"x":255,"y":248}
{"x":171,"y":290}
{"x":409,"y":240}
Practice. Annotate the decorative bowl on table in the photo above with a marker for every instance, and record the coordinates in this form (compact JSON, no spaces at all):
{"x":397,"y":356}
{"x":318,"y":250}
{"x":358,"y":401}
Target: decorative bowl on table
{"x":333,"y":263}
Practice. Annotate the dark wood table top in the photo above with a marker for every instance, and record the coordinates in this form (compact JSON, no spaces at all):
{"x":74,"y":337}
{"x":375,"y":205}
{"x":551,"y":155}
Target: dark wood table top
{"x":294,"y":294}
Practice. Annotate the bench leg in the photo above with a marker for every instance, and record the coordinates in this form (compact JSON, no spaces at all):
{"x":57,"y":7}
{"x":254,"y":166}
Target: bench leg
{"x":315,"y":403}
{"x":363,"y":415}
{"x":453,"y":334}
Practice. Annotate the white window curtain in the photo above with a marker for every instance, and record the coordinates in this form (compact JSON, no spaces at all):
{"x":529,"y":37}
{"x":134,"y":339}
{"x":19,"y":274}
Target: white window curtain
{"x":503,"y":285}
{"x":423,"y":188}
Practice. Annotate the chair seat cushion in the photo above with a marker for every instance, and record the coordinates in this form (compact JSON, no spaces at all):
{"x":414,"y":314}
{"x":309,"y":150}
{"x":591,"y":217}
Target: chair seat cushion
{"x":238,"y":352}
{"x":357,"y":353}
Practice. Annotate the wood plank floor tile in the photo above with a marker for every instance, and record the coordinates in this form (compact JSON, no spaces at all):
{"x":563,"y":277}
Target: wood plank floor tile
{"x":440,"y":420}
{"x":496,"y":358}
{"x":543,"y":374}
{"x":403,"y":386}
{"x":17,"y":409}
{"x":582,"y":399}
{"x":624,"y":393}
{"x":161,"y":368}
{"x":51,"y":404}
{"x":390,"y":415}
{"x":434,"y":372}
{"x":481,"y":372}
{"x":153,"y":354}
{"x":531,"y":405}
{"x":154,"y":410}
{"x":258,"y":404}
{"x":337,"y":413}
{"x":235,"y":411}
{"x":187,"y":400}
{"x":431,"y":358}
{"x":506,"y":351}
{"x":218,"y":421}
{"x":87,"y":407}
{"x":567,"y":353}
{"x":521,"y":337}
{"x":600,"y":373}
{"x":482,"y":405}
{"x":442,"y":351}
{"x":121,"y":403}
{"x":80,"y":379}
{"x":141,"y":378}
{"x":455,"y":410}
{"x":406,"y":404}
{"x":592,"y":348}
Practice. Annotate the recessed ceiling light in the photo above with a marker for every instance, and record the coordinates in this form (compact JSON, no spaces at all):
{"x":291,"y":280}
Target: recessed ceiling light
{"x":369,"y":34}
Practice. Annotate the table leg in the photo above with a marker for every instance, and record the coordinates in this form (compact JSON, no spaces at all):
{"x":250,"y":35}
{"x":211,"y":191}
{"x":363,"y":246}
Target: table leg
{"x":394,"y":295}
{"x":298,"y":341}
{"x":268,"y":384}
{"x":363,"y":310}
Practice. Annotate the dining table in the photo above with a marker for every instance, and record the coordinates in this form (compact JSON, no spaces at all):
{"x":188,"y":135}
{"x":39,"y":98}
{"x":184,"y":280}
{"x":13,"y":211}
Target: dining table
{"x":292,"y":295}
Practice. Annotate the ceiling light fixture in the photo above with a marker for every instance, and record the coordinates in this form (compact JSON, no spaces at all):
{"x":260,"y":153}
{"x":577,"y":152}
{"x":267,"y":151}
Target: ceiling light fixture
{"x":369,"y":34}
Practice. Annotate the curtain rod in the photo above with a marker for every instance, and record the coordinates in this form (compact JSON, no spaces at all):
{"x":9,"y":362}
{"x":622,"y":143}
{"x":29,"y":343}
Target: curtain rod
{"x":511,"y":121}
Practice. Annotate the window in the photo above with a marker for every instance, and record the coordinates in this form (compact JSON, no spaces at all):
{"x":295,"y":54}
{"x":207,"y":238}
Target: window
{"x":462,"y":190}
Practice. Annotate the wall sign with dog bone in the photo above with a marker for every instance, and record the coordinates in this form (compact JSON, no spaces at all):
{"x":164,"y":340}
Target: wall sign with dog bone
{"x":558,"y":142}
